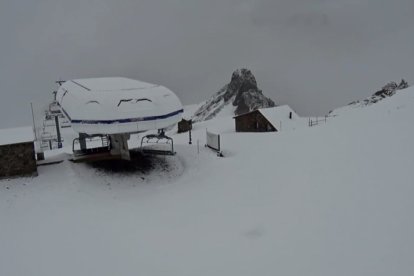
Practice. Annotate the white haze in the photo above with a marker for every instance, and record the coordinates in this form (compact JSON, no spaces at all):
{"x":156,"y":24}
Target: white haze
{"x":311,"y":54}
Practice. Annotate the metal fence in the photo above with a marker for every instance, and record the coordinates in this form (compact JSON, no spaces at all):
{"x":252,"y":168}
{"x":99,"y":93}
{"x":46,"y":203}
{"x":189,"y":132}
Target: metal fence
{"x":313,"y":121}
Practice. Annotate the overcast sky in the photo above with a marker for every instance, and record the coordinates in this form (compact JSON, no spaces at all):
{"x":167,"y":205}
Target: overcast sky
{"x":314,"y":55}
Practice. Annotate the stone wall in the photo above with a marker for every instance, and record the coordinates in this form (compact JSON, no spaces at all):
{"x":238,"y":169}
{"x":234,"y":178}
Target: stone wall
{"x":17,"y":160}
{"x":253,"y":122}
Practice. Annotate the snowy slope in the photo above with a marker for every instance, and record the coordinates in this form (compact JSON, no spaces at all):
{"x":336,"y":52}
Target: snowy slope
{"x":334,"y":199}
{"x":386,"y":91}
{"x":189,"y":110}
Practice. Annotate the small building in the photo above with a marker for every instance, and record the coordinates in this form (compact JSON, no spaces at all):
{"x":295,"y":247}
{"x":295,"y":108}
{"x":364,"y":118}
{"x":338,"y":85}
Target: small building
{"x":17,"y":152}
{"x":185,"y":125}
{"x":265,"y":119}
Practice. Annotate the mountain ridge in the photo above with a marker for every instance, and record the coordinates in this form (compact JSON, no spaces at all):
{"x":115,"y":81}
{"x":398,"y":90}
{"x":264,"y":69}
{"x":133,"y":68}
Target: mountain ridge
{"x":242,"y":93}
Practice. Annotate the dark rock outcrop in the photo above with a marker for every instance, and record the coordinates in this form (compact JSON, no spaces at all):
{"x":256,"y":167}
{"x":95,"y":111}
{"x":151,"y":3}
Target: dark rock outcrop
{"x":386,"y":91}
{"x":242,"y":93}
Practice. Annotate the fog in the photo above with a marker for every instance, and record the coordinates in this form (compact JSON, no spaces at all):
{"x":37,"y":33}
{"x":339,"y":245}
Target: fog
{"x":314,"y":55}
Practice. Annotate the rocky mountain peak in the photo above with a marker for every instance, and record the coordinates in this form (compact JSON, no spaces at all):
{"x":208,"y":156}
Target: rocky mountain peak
{"x":243,"y":80}
{"x":242,"y":93}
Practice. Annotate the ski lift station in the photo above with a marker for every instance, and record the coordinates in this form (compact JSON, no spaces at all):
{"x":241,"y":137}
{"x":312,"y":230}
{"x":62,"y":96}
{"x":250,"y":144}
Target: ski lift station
{"x":109,"y":110}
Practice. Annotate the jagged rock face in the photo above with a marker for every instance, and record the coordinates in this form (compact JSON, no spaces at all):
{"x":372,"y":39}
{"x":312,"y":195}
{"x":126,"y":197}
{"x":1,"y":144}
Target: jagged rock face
{"x":386,"y":91}
{"x":390,"y":89}
{"x":242,"y":92}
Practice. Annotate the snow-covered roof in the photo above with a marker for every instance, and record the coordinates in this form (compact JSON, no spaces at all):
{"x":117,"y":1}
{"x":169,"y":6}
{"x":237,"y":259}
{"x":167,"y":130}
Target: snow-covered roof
{"x":112,"y":84}
{"x":279,"y":113}
{"x":17,"y":135}
{"x":279,"y":117}
{"x":117,"y":105}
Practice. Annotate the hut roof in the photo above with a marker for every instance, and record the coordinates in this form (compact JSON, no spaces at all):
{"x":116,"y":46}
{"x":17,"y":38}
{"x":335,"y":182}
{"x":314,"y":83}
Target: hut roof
{"x":278,"y":113}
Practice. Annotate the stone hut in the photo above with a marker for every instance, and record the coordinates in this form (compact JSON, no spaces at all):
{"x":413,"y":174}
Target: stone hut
{"x":185,"y":125}
{"x":265,"y":119}
{"x":17,"y":152}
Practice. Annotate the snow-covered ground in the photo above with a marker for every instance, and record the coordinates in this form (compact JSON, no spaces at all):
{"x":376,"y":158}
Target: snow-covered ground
{"x":333,"y":199}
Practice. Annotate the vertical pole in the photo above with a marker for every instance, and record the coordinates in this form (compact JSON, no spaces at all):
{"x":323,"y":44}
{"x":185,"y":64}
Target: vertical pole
{"x":189,"y":137}
{"x":59,"y":138}
{"x":39,"y":154}
{"x":34,"y":124}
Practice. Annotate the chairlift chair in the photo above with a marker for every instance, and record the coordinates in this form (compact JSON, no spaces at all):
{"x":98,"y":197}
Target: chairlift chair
{"x":157,"y":139}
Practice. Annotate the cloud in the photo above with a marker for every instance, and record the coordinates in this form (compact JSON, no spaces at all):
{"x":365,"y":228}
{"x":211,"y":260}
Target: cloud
{"x":312,"y":54}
